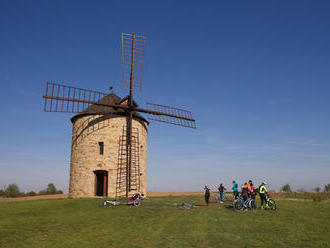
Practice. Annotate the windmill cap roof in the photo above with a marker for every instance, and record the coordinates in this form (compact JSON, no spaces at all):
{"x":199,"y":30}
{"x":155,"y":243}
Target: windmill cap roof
{"x":109,"y":111}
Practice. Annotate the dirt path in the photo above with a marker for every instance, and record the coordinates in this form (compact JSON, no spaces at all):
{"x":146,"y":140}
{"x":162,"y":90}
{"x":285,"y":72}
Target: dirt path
{"x":61,"y":196}
{"x":174,"y":193}
{"x":38,"y":197}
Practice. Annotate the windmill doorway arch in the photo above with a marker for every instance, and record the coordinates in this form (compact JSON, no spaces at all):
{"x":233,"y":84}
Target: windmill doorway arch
{"x":101,"y":183}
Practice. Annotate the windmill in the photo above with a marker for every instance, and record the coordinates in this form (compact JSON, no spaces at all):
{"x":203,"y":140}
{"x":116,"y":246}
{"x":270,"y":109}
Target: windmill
{"x":68,"y":99}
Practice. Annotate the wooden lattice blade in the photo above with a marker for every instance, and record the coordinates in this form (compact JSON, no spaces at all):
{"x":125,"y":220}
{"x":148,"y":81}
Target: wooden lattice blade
{"x":169,"y":115}
{"x":68,"y":99}
{"x":132,"y":61}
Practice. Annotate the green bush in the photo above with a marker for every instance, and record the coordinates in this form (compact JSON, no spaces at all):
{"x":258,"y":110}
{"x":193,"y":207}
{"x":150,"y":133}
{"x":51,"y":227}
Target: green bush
{"x":21,"y":194}
{"x":317,"y":197}
{"x":2,"y":193}
{"x":12,"y":190}
{"x":51,"y":189}
{"x":42,"y":192}
{"x":31,"y":193}
{"x":286,"y":188}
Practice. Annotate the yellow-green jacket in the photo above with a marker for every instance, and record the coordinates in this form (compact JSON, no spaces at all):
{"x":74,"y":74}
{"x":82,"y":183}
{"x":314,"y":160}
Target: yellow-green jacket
{"x":262,"y":189}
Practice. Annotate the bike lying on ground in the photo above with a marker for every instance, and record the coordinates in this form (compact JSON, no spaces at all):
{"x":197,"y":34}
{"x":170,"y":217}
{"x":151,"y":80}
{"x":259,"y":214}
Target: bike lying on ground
{"x":134,"y":200}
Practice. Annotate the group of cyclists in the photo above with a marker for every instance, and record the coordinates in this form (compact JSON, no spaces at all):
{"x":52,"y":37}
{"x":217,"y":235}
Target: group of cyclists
{"x":248,"y":192}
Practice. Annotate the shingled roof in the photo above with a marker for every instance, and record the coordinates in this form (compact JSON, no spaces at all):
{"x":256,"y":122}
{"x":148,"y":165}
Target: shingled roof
{"x":109,"y":111}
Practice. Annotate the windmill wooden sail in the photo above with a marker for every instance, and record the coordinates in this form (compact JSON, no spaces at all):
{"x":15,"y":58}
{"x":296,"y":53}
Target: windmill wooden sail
{"x":68,"y":99}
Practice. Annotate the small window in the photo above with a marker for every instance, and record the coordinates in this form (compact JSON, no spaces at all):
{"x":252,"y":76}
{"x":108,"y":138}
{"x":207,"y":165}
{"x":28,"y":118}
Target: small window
{"x":101,"y":146}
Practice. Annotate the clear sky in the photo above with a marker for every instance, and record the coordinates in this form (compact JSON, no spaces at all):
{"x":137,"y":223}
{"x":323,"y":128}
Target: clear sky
{"x":255,"y":75}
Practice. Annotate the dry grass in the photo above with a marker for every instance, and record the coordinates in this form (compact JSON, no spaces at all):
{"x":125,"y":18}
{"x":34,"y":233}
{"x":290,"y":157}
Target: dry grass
{"x":62,"y":196}
{"x":37,"y":197}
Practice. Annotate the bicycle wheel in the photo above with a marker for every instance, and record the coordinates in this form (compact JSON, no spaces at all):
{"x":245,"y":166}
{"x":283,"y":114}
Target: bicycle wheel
{"x":137,"y":202}
{"x":252,"y":205}
{"x":238,"y":204}
{"x":271,"y":204}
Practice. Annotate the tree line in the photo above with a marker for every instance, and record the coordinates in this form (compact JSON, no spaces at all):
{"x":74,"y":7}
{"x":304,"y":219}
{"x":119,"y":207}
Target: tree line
{"x":12,"y":190}
{"x":287,"y":188}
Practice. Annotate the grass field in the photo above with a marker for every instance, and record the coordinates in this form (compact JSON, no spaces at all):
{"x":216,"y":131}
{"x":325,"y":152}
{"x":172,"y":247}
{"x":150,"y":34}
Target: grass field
{"x":158,"y":223}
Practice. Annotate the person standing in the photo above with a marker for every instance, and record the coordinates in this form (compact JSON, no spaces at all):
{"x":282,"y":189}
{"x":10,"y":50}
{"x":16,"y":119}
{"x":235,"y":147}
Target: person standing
{"x":245,"y":191}
{"x":207,"y":194}
{"x":253,"y":191}
{"x":262,"y":193}
{"x":221,"y":189}
{"x":235,"y":190}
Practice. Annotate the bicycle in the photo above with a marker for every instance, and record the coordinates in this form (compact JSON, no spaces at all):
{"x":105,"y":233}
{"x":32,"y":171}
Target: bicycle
{"x":225,"y":197}
{"x":270,"y":203}
{"x":250,"y":203}
{"x":134,"y":200}
{"x":238,"y":203}
{"x":241,"y":204}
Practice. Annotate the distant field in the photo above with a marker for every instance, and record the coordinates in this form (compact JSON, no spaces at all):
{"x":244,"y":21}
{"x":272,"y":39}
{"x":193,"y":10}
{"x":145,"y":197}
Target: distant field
{"x":158,"y":223}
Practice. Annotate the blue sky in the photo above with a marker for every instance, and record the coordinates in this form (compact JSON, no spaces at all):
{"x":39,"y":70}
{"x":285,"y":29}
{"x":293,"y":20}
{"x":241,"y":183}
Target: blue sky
{"x":255,"y":75}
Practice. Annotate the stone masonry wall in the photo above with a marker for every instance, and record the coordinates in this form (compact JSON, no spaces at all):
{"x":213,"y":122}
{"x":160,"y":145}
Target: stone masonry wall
{"x":88,"y":131}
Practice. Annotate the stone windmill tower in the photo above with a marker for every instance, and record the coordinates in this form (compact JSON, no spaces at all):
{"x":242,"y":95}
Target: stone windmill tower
{"x":98,"y":149}
{"x":109,"y":137}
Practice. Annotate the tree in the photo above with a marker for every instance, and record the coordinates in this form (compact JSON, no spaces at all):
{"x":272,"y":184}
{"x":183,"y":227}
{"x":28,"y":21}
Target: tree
{"x":42,"y":192}
{"x":327,"y":188}
{"x":51,"y":189}
{"x":2,"y":193}
{"x":12,"y":190}
{"x":317,"y":189}
{"x":286,"y":188}
{"x":31,"y":193}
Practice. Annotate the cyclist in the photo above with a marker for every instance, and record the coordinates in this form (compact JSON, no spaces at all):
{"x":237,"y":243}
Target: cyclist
{"x":252,"y":191}
{"x":249,"y":184}
{"x":207,"y":194}
{"x":262,"y":193}
{"x":245,"y":191}
{"x":221,"y":189}
{"x":248,"y":193}
{"x":235,"y":190}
